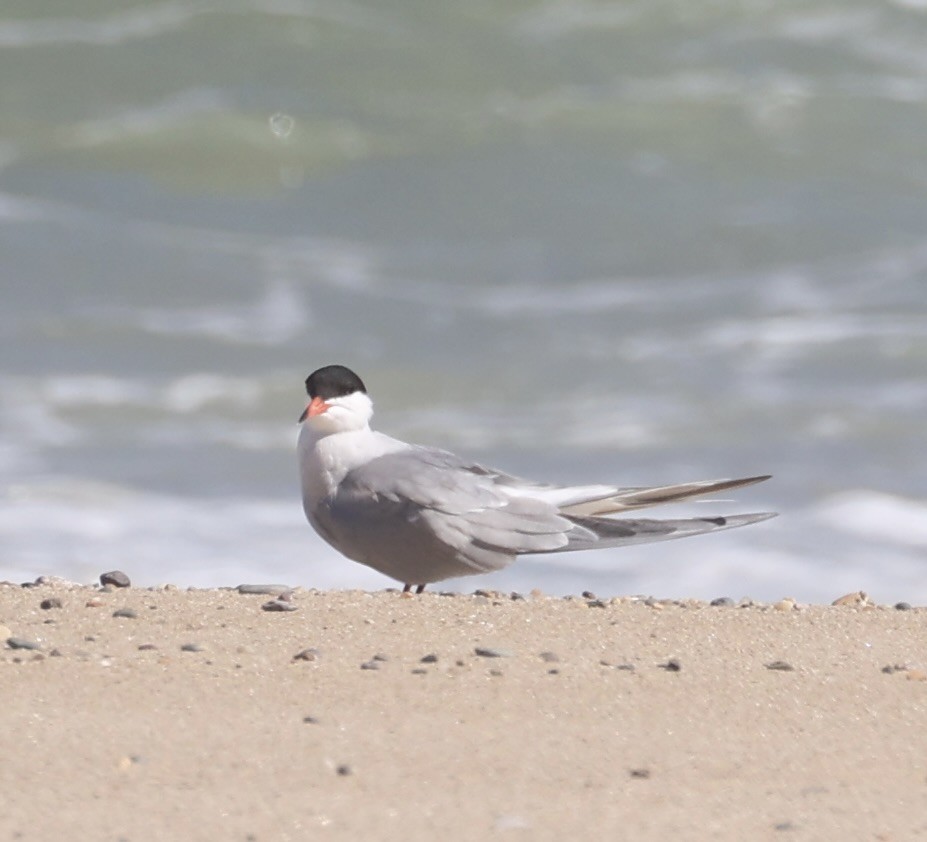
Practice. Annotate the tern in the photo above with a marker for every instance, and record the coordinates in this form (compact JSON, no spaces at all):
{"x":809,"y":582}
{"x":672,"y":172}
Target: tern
{"x":421,"y":515}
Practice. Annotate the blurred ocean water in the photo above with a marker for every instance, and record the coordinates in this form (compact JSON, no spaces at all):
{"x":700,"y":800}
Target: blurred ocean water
{"x":636,"y":242}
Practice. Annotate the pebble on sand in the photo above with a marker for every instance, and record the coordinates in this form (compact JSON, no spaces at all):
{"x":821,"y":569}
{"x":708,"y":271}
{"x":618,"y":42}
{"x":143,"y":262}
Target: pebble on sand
{"x":22,"y":643}
{"x":780,"y":666}
{"x":279,"y":605}
{"x":856,"y":598}
{"x":52,"y":602}
{"x":127,"y":613}
{"x":264,"y":590}
{"x":116,"y":578}
{"x":493,"y":652}
{"x":672,"y":665}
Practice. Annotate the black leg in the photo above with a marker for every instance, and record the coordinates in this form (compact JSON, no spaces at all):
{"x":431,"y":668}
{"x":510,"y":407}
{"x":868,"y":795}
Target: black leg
{"x":407,"y":587}
{"x":420,"y":589}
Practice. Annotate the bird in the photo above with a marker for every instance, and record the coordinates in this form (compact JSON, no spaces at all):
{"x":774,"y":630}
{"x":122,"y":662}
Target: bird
{"x":421,"y":515}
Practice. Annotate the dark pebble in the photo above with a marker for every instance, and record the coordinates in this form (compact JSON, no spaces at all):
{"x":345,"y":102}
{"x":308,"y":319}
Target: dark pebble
{"x":596,"y":603}
{"x":128,"y":613}
{"x":785,"y":826}
{"x":516,"y":597}
{"x":429,"y":659}
{"x":722,"y":601}
{"x":370,"y":665}
{"x":191,"y":647}
{"x":490,"y":652}
{"x":53,"y":602}
{"x":419,"y":671}
{"x":380,"y":657}
{"x":116,"y":578}
{"x":306,"y":655}
{"x":553,"y":672}
{"x":146,"y":647}
{"x":549,"y":657}
{"x":344,"y":770}
{"x":781,"y":666}
{"x":888,"y":669}
{"x":496,"y":673}
{"x":643,"y":774}
{"x":264,"y":590}
{"x":630,"y":667}
{"x":310,"y":720}
{"x":589,"y":595}
{"x":672,"y":665}
{"x":21,"y":643}
{"x":279,"y":605}
{"x":56,"y":653}
{"x":902,"y":606}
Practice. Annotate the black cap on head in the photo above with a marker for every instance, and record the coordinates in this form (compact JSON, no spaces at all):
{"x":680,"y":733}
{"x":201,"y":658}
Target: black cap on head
{"x":333,"y":381}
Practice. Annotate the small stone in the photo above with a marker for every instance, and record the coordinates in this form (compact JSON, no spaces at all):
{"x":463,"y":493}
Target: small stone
{"x":492,"y":652}
{"x":279,"y":605}
{"x":306,"y":655}
{"x":146,"y":647}
{"x":419,"y":671}
{"x":380,"y":657}
{"x":127,"y":613}
{"x":916,"y":675}
{"x":857,"y":598}
{"x":889,"y":669}
{"x":116,"y":578}
{"x":516,"y":597}
{"x":370,"y":665}
{"x":429,"y":659}
{"x":553,"y":672}
{"x":787,"y":604}
{"x":344,"y":770}
{"x":596,"y":603}
{"x":549,"y":657}
{"x":496,"y":673}
{"x":22,"y":643}
{"x":51,"y":602}
{"x":264,"y":590}
{"x":589,"y":595}
{"x":902,"y":606}
{"x":310,"y":720}
{"x":640,"y":774}
{"x":93,"y":602}
{"x":721,"y":602}
{"x":672,"y":665}
{"x":191,"y":647}
{"x":780,"y":666}
{"x":785,"y":826}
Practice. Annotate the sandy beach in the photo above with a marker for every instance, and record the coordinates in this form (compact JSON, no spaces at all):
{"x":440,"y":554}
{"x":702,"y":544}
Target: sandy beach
{"x":145,"y":714}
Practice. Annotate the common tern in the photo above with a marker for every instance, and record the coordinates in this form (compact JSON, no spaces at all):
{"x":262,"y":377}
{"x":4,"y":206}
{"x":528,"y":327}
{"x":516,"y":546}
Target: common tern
{"x":420,"y":514}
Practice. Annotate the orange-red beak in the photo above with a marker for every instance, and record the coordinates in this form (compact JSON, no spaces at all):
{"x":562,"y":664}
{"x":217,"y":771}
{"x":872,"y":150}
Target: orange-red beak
{"x":316,"y":407}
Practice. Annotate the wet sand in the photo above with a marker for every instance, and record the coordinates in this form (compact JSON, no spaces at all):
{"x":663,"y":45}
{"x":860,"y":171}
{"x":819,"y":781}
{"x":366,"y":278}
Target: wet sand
{"x":198,"y":715}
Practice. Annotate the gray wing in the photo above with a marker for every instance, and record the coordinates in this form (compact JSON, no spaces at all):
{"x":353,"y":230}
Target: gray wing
{"x":422,"y":515}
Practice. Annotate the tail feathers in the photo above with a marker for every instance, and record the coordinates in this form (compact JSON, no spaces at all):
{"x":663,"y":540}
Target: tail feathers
{"x":628,"y":499}
{"x":596,"y":532}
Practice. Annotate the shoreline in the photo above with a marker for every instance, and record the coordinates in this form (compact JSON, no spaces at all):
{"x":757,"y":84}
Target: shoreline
{"x":200,"y":714}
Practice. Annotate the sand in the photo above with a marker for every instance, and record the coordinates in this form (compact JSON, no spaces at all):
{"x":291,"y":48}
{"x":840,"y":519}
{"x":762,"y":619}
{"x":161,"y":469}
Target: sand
{"x":612,"y":719}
